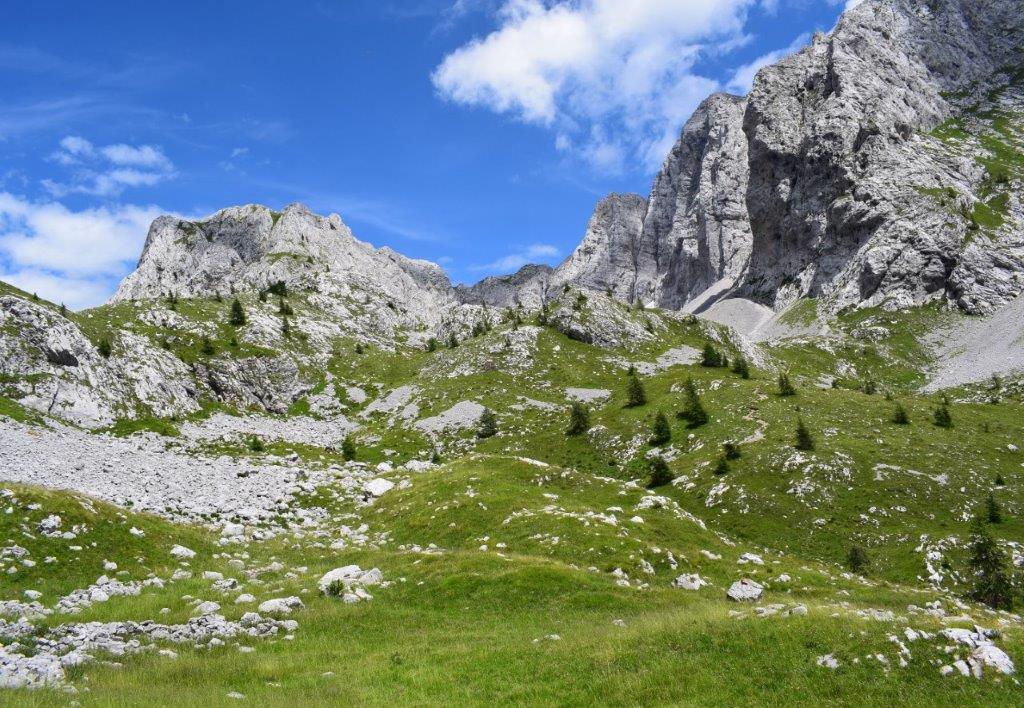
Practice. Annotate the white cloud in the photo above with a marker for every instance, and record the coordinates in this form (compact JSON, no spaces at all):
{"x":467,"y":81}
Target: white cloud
{"x":68,"y":256}
{"x":538,"y":252}
{"x":743,"y":77}
{"x":595,"y":68}
{"x":108,"y":170}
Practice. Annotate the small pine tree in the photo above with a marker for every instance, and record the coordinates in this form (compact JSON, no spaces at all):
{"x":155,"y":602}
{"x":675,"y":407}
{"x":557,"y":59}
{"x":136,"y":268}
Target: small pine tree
{"x":993,"y":584}
{"x":478,"y":329}
{"x":488,"y":425}
{"x":635,"y":394}
{"x":286,"y":328}
{"x":804,"y":441}
{"x":207,"y":348}
{"x":660,"y":473}
{"x":283,"y":308}
{"x":263,"y":296}
{"x":1000,"y":482}
{"x":992,"y":511}
{"x":899,"y":415}
{"x":233,"y":342}
{"x":693,"y":411}
{"x":453,"y":341}
{"x":785,"y":386}
{"x":710,"y":357}
{"x":661,"y":433}
{"x":432,"y":345}
{"x":579,"y":420}
{"x":255,"y":444}
{"x":725,"y":361}
{"x":731,"y":450}
{"x":104,"y":348}
{"x":435,"y":456}
{"x":741,"y":367}
{"x":348,"y":448}
{"x":722,"y":466}
{"x":359,"y":348}
{"x":63,"y":310}
{"x":237,"y":317}
{"x":942,"y":417}
{"x":870,"y":387}
{"x":857,"y":560}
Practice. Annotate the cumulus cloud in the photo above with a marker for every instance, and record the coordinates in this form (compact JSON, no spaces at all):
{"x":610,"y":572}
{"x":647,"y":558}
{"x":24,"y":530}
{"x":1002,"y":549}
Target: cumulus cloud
{"x":743,"y":77}
{"x":68,"y":256}
{"x":108,"y":170}
{"x":594,"y":69}
{"x":538,"y":252}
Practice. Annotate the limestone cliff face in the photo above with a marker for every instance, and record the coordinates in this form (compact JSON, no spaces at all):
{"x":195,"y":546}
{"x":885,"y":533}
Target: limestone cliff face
{"x":827,"y":181}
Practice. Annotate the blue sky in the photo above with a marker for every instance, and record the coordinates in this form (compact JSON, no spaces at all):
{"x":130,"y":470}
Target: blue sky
{"x":475,"y":133}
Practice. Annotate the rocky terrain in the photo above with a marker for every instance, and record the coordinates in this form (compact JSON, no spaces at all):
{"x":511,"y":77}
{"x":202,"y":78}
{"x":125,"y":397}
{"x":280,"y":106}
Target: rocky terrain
{"x":750,"y":439}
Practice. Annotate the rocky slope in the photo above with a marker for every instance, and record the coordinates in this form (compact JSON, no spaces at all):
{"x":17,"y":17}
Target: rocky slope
{"x":881,"y":165}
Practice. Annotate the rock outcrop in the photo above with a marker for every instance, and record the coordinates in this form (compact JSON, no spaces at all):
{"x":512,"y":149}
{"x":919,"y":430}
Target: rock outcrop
{"x":830,"y":180}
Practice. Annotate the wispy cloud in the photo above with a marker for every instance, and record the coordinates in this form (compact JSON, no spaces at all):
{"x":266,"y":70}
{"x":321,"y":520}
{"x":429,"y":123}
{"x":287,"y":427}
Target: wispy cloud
{"x":107,"y":170}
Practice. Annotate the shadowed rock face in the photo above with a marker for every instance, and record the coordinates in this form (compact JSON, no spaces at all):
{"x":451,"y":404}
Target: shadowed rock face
{"x":815,"y":184}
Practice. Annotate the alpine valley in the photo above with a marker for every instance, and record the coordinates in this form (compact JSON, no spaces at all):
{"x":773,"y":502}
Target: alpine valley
{"x":756,"y":440}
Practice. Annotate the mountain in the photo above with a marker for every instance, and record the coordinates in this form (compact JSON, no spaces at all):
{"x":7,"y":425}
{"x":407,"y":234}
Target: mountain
{"x":745,"y":446}
{"x":881,"y":165}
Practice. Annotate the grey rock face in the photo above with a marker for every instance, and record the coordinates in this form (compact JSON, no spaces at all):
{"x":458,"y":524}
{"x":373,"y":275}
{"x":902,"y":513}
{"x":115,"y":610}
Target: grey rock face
{"x":823,"y":181}
{"x":612,"y":255}
{"x":272,"y":383}
{"x":528,"y":288}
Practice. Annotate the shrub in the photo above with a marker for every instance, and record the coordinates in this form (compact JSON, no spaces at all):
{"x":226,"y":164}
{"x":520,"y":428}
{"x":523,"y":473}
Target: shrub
{"x":804,"y":441}
{"x":870,"y":387}
{"x":104,"y":348}
{"x":579,"y":420}
{"x":660,"y":473}
{"x":208,"y":348}
{"x":488,"y":425}
{"x":722,"y":466}
{"x":1000,"y":482}
{"x":286,"y":328}
{"x":432,"y":344}
{"x":731,"y":450}
{"x":661,"y":432}
{"x":635,"y":394}
{"x":255,"y":444}
{"x":693,"y":411}
{"x":785,"y":386}
{"x":857,"y":560}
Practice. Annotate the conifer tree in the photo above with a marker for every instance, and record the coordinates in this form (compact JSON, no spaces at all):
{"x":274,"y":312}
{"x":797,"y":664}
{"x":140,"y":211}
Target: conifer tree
{"x":722,"y":466}
{"x":286,"y":328}
{"x":710,"y":357}
{"x":432,"y":345}
{"x":804,"y":441}
{"x":899,"y":415}
{"x":661,"y":432}
{"x":104,"y":348}
{"x":992,"y":511}
{"x":635,"y":394}
{"x":348,"y":448}
{"x":660,"y":473}
{"x":942,"y":417}
{"x":785,"y":386}
{"x":579,"y":420}
{"x":741,"y":367}
{"x":992,"y":583}
{"x":693,"y":411}
{"x":857,"y":560}
{"x":237,"y":317}
{"x":488,"y":425}
{"x":207,"y":348}
{"x":731,"y":450}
